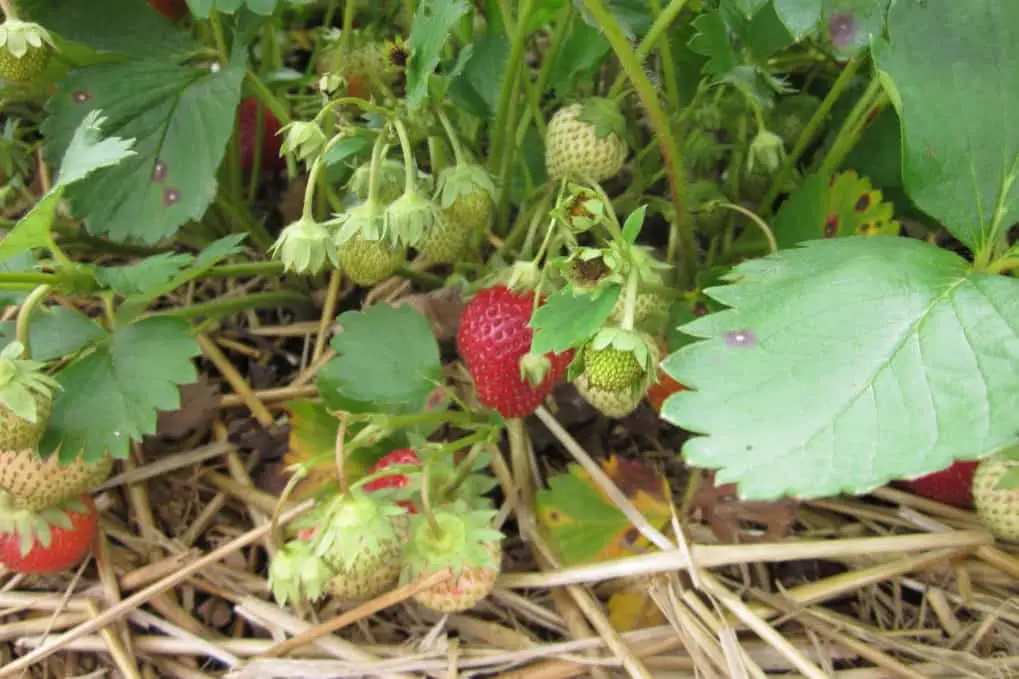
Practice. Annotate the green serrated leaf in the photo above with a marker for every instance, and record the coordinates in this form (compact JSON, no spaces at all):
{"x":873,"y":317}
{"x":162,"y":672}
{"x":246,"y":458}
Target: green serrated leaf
{"x":144,"y":276}
{"x":201,"y":9}
{"x":799,"y":16}
{"x":432,"y":23}
{"x":567,"y":319}
{"x":955,"y":82}
{"x":386,"y":355}
{"x":206,"y":259}
{"x":85,"y":153}
{"x":848,"y":363}
{"x":712,"y":41}
{"x":56,"y":332}
{"x":111,"y":396}
{"x":634,"y":223}
{"x":181,"y":119}
{"x":124,"y":26}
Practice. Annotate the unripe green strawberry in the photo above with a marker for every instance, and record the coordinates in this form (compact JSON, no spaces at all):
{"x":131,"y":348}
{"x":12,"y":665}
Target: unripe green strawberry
{"x":17,"y":433}
{"x":366,"y":262}
{"x":25,"y":50}
{"x":611,"y":369}
{"x":615,"y":404}
{"x":445,"y":242}
{"x":26,"y":399}
{"x":998,"y":508}
{"x":466,"y":196}
{"x":361,"y":540}
{"x":584,"y":141}
{"x":464,"y":590}
{"x":459,"y":543}
{"x":33,"y":483}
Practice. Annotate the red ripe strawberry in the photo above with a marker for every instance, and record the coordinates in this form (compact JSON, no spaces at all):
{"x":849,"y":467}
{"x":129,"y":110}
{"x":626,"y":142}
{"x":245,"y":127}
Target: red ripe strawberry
{"x":401,"y":456}
{"x":50,"y":541}
{"x":247,"y":128}
{"x":173,"y":10}
{"x":494,"y":336}
{"x":951,"y":486}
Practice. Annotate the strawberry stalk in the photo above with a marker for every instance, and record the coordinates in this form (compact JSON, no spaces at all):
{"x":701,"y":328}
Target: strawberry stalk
{"x":409,"y":166}
{"x":8,"y":9}
{"x":464,"y":469}
{"x":426,"y":500}
{"x":21,"y":331}
{"x":454,"y":140}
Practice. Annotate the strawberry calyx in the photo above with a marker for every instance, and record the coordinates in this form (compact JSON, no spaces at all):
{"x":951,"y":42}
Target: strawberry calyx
{"x":408,"y":218}
{"x":356,"y":525}
{"x":21,"y":381}
{"x":456,"y":538}
{"x":463,"y":180}
{"x":604,"y":115}
{"x":303,"y":138}
{"x":18,"y":37}
{"x":364,"y":221}
{"x":304,"y":246}
{"x":296,"y":573}
{"x":36,"y":527}
{"x":617,"y":359}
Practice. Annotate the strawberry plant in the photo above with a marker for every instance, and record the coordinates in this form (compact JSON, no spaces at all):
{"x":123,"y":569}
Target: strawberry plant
{"x":357,"y":294}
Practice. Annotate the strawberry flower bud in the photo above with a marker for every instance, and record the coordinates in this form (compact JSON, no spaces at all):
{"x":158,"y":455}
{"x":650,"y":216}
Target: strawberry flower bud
{"x":304,"y":247}
{"x":766,"y":151}
{"x":303,"y":139}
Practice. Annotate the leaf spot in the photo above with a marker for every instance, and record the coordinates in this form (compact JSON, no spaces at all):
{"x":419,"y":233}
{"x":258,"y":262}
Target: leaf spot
{"x":80,"y":96}
{"x":842,"y":28}
{"x":170,"y":196}
{"x":831,"y":227}
{"x":862,"y":203}
{"x":159,"y":171}
{"x":740,"y":338}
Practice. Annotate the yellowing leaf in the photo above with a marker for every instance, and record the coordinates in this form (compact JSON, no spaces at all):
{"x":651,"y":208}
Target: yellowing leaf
{"x":313,"y":440}
{"x":582,"y":525}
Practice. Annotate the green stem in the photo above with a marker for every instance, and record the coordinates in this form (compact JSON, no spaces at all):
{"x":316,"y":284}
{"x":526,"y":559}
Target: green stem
{"x":454,"y":139}
{"x":231,"y":305}
{"x":761,"y":224}
{"x":630,"y":301}
{"x":852,"y":127}
{"x":658,"y":28}
{"x":8,"y":7}
{"x":378,"y":152}
{"x":62,"y":259}
{"x":267,"y":98}
{"x":409,"y":166}
{"x":659,"y":123}
{"x":548,"y":60}
{"x":32,"y":278}
{"x":25,"y":313}
{"x":508,"y":91}
{"x":540,"y":213}
{"x":668,"y":66}
{"x":349,"y":12}
{"x":809,"y":132}
{"x":426,"y":500}
{"x":244,"y":270}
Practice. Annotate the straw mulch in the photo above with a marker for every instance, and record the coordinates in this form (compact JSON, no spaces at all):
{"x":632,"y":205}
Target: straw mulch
{"x":861,"y":588}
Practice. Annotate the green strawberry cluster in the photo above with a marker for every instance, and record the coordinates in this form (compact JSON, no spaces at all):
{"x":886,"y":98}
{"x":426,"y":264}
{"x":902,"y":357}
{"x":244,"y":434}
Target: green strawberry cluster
{"x":359,"y":544}
{"x":392,"y":208}
{"x":37,"y":494}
